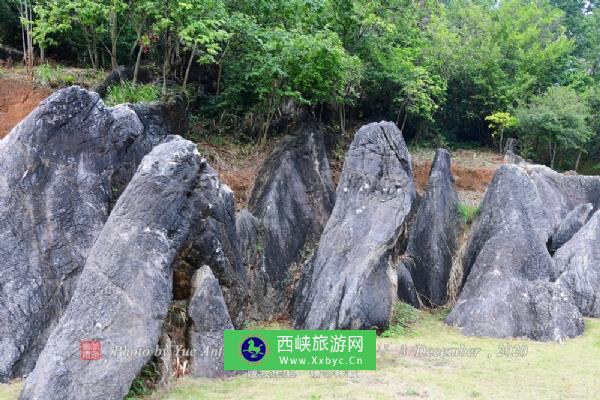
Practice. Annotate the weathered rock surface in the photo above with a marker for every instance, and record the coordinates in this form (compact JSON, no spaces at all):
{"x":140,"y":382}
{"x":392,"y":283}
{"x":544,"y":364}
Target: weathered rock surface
{"x":264,"y":302}
{"x":209,"y":318}
{"x":509,"y":291}
{"x":433,"y":236}
{"x":579,"y":263}
{"x":292,"y":199}
{"x":352,"y":283}
{"x":214,"y":242}
{"x":61,"y":169}
{"x":509,"y":294}
{"x":561,"y":193}
{"x":511,"y":196}
{"x":124,"y":292}
{"x":406,"y":287}
{"x":572,"y":222}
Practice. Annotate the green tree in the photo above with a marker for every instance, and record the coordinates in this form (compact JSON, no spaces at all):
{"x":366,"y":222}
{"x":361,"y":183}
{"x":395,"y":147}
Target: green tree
{"x":558,"y":119}
{"x":498,"y":123}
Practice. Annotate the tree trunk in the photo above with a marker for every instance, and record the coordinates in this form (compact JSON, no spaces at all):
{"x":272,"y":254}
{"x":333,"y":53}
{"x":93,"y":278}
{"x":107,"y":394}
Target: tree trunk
{"x":138,"y":60}
{"x":578,"y":160}
{"x":342,"y":119}
{"x":42,"y":54}
{"x":187,"y":70}
{"x":114,"y":34}
{"x":553,"y":156}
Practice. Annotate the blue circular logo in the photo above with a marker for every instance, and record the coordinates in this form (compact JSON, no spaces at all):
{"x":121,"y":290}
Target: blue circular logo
{"x":253,"y":349}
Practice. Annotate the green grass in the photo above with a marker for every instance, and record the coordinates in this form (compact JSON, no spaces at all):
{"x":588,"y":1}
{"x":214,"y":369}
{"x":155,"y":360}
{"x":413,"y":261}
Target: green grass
{"x":127,"y":92}
{"x":549,"y":371}
{"x":468,"y":213}
{"x":55,"y":77}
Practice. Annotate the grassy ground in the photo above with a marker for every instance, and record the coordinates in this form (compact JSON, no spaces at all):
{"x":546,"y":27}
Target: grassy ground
{"x":548,"y":371}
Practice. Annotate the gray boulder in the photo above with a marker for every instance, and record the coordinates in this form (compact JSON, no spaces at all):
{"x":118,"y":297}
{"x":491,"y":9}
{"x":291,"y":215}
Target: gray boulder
{"x":214,"y":242}
{"x":572,"y":222}
{"x":510,"y":196}
{"x":578,"y":261}
{"x":209,"y":318}
{"x":514,"y":297}
{"x":433,"y":236}
{"x":124,"y":291}
{"x":61,"y":170}
{"x":561,"y":193}
{"x":352,"y":283}
{"x":406,"y":287}
{"x":292,"y":199}
{"x":509,"y":290}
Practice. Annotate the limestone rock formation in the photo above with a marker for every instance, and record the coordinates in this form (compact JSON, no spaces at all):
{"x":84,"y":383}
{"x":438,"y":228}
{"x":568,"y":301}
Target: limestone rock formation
{"x":509,"y":290}
{"x":578,"y":262}
{"x":352,"y":282}
{"x":511,"y":196}
{"x":61,"y":170}
{"x":509,"y":293}
{"x":214,"y":242}
{"x":292,"y":199}
{"x":433,"y":236}
{"x":209,"y":317}
{"x":406,"y":287}
{"x":124,"y":291}
{"x":572,"y":222}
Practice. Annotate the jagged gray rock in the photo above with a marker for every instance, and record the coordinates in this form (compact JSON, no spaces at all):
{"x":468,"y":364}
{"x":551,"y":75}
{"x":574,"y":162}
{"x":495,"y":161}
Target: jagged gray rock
{"x":509,"y":291}
{"x":292,"y":199}
{"x":433,"y":236}
{"x":209,"y":318}
{"x":561,"y":193}
{"x":406,"y":287}
{"x":263,"y":297}
{"x":572,"y":222}
{"x":514,"y":297}
{"x":510,"y":196}
{"x":61,"y":170}
{"x":214,"y":242}
{"x":578,"y":262}
{"x":124,"y":292}
{"x":352,"y":283}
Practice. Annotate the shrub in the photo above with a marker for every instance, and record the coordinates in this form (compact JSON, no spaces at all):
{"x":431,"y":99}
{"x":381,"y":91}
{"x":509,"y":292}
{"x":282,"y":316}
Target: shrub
{"x":127,"y":92}
{"x":468,"y":212}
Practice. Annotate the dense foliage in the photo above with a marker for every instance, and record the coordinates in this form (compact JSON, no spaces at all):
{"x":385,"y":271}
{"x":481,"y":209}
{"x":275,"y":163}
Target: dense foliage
{"x":443,"y":70}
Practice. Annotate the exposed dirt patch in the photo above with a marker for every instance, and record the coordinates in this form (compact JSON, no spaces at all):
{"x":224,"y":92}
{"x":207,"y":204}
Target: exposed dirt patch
{"x":473,"y":171}
{"x":238,"y":166}
{"x":17,"y":99}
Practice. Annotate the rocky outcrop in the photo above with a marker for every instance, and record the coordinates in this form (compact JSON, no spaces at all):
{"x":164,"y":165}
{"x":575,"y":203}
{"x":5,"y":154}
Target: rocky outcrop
{"x":511,"y":196}
{"x":572,"y":222}
{"x":124,"y":292}
{"x":209,"y":318}
{"x":509,"y":290}
{"x":561,"y":193}
{"x":214,"y":242}
{"x":406,"y":287}
{"x":352,"y":282}
{"x":292,"y":199}
{"x":578,"y":262}
{"x":433,"y":236}
{"x":61,"y":170}
{"x":514,"y":297}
